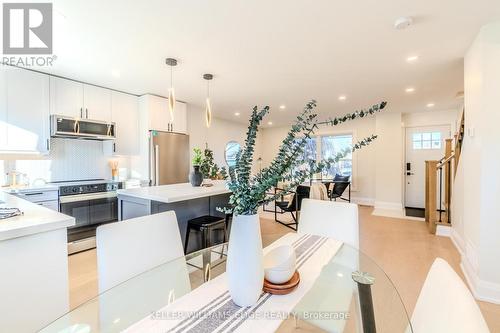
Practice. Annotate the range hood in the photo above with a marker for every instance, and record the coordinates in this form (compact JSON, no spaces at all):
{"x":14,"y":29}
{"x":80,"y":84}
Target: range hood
{"x":86,"y":129}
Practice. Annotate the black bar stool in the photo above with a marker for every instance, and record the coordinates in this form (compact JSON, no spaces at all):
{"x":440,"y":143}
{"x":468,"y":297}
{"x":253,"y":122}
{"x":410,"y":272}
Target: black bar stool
{"x":206,"y":225}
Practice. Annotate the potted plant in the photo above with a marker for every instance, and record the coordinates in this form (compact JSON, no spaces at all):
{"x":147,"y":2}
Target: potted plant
{"x":209,"y":168}
{"x":245,"y":260}
{"x":196,"y":177}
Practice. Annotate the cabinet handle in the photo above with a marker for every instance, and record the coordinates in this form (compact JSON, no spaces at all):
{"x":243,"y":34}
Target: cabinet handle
{"x":114,"y":147}
{"x":34,"y":193}
{"x":172,"y":127}
{"x":86,"y":113}
{"x":81,"y":112}
{"x":48,"y":144}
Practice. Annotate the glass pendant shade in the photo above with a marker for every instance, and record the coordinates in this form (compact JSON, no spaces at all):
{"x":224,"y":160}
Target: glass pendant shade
{"x":208,"y":112}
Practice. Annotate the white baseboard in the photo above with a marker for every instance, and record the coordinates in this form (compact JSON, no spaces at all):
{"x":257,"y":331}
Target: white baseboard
{"x":389,"y":209}
{"x":443,"y":230}
{"x":457,"y":240}
{"x":363,"y":201}
{"x":482,"y":290}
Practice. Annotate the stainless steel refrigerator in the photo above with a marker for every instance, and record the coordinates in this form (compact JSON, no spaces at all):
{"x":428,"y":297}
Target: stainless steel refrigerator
{"x":168,"y":158}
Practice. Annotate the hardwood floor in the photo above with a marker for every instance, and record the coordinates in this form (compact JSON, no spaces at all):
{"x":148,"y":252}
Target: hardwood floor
{"x":402,"y":248}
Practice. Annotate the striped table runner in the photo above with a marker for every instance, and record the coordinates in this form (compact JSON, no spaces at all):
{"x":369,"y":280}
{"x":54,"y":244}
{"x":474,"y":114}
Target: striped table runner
{"x":209,"y":308}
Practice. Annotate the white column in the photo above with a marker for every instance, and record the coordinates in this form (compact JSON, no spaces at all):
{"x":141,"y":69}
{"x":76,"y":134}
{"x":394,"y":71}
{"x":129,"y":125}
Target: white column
{"x":389,"y":165}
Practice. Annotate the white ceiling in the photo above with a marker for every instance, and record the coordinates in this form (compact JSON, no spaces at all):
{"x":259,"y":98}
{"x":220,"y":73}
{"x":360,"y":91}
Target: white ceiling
{"x":273,"y":52}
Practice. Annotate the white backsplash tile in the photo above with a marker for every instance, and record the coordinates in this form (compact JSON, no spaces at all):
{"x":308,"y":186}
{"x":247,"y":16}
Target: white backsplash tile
{"x":68,"y":159}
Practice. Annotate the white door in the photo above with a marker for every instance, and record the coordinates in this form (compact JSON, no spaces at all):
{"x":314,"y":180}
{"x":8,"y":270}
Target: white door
{"x":97,"y":102}
{"x":422,"y":144}
{"x":125,"y":114}
{"x":27,"y":111}
{"x":66,"y":97}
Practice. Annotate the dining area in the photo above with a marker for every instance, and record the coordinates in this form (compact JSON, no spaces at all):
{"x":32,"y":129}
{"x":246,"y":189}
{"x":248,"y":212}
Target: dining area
{"x":148,"y":284}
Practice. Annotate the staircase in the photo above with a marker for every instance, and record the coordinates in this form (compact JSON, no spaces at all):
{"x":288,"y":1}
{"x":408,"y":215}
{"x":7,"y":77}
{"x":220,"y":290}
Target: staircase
{"x":439,"y":177}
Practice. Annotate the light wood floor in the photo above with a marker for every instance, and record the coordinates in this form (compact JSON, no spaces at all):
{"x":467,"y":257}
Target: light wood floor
{"x":403,"y":248}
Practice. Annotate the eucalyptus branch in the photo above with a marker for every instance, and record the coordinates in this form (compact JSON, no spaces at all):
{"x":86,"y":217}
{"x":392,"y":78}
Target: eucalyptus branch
{"x":249,"y":192}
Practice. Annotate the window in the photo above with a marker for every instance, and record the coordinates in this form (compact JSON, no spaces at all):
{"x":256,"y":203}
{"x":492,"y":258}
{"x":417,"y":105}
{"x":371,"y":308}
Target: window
{"x":426,"y":140}
{"x":308,"y":155}
{"x":328,"y":146}
{"x":332,"y":145}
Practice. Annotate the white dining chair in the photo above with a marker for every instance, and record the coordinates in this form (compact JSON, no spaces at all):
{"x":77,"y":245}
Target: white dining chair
{"x":445,"y":304}
{"x":337,"y":220}
{"x":130,"y":247}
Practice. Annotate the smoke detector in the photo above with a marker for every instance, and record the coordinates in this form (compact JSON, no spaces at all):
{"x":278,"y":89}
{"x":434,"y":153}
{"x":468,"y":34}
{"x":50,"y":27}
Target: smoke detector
{"x":403,"y":22}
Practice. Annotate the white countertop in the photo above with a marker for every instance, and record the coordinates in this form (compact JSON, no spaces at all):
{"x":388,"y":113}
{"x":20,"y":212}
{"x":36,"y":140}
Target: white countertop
{"x":29,"y":188}
{"x":35,"y":219}
{"x":176,"y":192}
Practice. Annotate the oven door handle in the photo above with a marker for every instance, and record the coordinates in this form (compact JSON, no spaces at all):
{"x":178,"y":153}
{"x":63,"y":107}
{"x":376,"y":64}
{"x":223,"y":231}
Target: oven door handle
{"x":87,"y":197}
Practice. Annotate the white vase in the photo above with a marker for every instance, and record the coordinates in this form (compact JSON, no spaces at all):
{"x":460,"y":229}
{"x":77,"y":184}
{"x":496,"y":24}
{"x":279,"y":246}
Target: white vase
{"x":245,"y":268}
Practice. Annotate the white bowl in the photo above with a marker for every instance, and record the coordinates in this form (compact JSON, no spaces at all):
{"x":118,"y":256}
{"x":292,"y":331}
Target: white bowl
{"x":279,"y":264}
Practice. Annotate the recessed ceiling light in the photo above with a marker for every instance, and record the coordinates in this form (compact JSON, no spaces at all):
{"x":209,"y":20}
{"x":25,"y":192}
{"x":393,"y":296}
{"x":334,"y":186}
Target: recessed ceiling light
{"x":412,"y":58}
{"x":403,"y":22}
{"x":116,"y":73}
{"x":430,"y":105}
{"x":282,"y":107}
{"x":236,"y":114}
{"x":342,"y":97}
{"x":410,"y":90}
{"x":269,"y":122}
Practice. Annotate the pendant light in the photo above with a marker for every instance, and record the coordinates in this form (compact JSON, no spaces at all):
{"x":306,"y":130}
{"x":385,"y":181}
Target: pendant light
{"x":208,"y":106}
{"x":171,"y":95}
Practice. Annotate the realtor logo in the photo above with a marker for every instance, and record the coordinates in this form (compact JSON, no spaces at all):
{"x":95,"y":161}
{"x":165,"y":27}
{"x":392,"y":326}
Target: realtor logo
{"x":27,"y":28}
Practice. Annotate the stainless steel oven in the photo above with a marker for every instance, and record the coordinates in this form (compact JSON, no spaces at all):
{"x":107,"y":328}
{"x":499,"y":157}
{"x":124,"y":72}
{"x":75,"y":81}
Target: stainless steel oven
{"x":91,"y":205}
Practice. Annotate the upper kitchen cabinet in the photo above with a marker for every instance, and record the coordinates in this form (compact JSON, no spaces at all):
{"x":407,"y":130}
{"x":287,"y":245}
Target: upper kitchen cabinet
{"x":66,"y":97}
{"x":97,"y":103}
{"x":78,"y":100}
{"x":25,"y":111}
{"x":125,"y":113}
{"x":3,"y":109}
{"x":155,"y":108}
{"x":179,"y":125}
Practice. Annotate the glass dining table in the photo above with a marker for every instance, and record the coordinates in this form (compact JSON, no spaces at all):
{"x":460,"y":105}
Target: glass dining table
{"x":350,"y":294}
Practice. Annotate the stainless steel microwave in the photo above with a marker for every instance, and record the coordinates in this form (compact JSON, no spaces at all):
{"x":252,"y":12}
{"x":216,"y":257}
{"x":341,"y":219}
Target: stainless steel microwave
{"x":75,"y":128}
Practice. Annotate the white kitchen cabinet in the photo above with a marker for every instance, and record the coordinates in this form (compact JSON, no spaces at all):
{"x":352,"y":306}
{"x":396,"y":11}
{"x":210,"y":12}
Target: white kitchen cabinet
{"x":3,"y":109}
{"x":66,"y":97}
{"x":179,"y":125}
{"x":125,"y":113}
{"x":159,"y":115}
{"x":97,"y":103}
{"x":26,"y":113}
{"x":78,"y":100}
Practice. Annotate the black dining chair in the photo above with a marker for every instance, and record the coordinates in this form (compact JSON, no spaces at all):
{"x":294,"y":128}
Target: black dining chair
{"x":292,"y":206}
{"x":340,"y":184}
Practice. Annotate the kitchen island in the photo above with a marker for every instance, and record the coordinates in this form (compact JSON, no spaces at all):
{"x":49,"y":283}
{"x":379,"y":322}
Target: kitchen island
{"x":34,"y":266}
{"x":187,"y":201}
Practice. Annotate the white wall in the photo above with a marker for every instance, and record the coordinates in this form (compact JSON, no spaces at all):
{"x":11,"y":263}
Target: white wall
{"x":364,"y":173}
{"x":432,"y":118}
{"x":475,"y":214}
{"x":388,"y":164}
{"x":217,"y":136}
